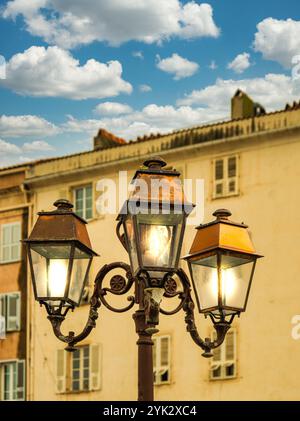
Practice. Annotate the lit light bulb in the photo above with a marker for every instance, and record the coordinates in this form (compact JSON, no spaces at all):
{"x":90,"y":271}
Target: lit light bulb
{"x":228,"y":284}
{"x":57,"y":277}
{"x":157,"y":245}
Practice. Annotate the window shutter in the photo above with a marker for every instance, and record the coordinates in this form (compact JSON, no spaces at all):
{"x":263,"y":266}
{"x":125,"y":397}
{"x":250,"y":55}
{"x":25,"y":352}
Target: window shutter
{"x":164,"y":359}
{"x":15,"y":240}
{"x":164,"y":349}
{"x":21,"y":380}
{"x":60,"y":371}
{"x":2,"y":316}
{"x":13,"y":312}
{"x":95,"y":367}
{"x":230,"y":346}
{"x":5,"y":241}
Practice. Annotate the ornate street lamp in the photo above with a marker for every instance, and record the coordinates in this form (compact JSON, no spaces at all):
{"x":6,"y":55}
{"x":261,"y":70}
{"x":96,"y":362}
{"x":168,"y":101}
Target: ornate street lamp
{"x":221,"y":260}
{"x":60,"y":256}
{"x":153,"y":219}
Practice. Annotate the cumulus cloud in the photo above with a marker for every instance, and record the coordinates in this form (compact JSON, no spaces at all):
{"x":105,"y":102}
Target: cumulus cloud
{"x":278,"y":40}
{"x":8,"y":148}
{"x":53,"y":72}
{"x":240,"y":63}
{"x":178,"y":66}
{"x":273,"y":91}
{"x":145,"y":88}
{"x":112,"y":108}
{"x":70,"y":23}
{"x":26,"y":125}
{"x":151,"y":119}
{"x":10,"y":153}
{"x":37,"y":146}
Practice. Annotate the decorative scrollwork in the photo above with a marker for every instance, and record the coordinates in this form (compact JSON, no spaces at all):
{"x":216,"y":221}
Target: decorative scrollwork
{"x":171,"y":287}
{"x":118,"y":285}
{"x":188,"y":306}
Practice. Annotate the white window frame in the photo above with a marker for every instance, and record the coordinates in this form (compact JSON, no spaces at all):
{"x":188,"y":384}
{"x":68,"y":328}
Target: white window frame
{"x":223,"y":363}
{"x":5,"y":300}
{"x":64,"y":370}
{"x":225,"y":181}
{"x":158,"y":368}
{"x":14,"y":388}
{"x":84,"y":209}
{"x":10,"y":245}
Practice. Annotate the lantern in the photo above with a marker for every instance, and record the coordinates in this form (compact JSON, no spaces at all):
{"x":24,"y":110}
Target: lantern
{"x":153,"y":220}
{"x":60,"y":256}
{"x":222,"y":262}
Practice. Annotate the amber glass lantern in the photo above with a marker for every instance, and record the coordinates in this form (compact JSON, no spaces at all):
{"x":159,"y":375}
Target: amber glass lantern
{"x":222,"y":263}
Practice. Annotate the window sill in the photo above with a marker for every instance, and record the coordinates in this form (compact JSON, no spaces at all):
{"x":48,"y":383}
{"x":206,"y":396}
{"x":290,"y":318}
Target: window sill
{"x":222,"y":379}
{"x":226,"y":196}
{"x":8,"y":262}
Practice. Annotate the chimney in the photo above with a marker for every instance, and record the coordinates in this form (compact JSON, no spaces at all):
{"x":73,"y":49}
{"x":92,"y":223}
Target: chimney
{"x":105,"y":140}
{"x":242,"y":106}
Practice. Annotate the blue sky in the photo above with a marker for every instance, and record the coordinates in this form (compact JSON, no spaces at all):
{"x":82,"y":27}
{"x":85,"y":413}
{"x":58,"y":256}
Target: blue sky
{"x":135,"y":67}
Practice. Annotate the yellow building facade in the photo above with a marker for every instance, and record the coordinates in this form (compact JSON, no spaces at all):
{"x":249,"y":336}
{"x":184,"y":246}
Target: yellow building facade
{"x":248,"y":165}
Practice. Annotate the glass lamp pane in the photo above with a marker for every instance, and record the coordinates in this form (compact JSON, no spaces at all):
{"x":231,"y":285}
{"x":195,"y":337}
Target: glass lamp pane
{"x":159,"y":237}
{"x":131,"y":243}
{"x":50,"y":266}
{"x":205,"y":279}
{"x":235,"y":278}
{"x":78,"y":276}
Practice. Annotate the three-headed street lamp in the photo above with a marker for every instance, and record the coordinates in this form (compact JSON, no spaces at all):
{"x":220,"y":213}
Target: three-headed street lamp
{"x":151,"y":227}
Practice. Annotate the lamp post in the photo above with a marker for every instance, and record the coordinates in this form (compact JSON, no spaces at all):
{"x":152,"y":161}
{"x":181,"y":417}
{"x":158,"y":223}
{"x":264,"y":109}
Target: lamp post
{"x":151,"y":227}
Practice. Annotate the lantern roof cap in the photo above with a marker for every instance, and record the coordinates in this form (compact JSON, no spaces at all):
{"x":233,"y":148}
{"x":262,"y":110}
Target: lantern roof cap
{"x":61,"y":225}
{"x":222,"y":234}
{"x":154,"y":184}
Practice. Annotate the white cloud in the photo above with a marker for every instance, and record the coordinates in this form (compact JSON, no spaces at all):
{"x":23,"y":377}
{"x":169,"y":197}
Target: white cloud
{"x":2,"y":68}
{"x":145,"y":88}
{"x":8,"y":148}
{"x":11,"y":154}
{"x":178,"y":66}
{"x":112,"y":108}
{"x":151,"y":119}
{"x":70,"y":23}
{"x":272,"y":91}
{"x":138,"y":54}
{"x":53,"y":72}
{"x":240,"y":63}
{"x":26,"y":125}
{"x":37,"y":146}
{"x":278,"y":40}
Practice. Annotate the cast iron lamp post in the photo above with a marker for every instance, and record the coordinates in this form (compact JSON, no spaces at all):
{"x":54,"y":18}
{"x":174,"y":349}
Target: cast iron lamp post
{"x":151,"y":227}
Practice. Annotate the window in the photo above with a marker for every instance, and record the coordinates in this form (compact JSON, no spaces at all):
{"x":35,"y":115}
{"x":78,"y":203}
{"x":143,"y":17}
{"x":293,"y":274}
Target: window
{"x":83,"y":198}
{"x":78,"y":371}
{"x":161,"y":359}
{"x":10,"y":242}
{"x":223,"y":362}
{"x":225,"y":176}
{"x":12,"y":380}
{"x":10,"y":310}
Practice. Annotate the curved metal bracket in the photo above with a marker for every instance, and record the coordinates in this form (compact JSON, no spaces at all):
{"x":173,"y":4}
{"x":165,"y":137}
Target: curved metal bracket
{"x":188,"y":306}
{"x":118,"y":286}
